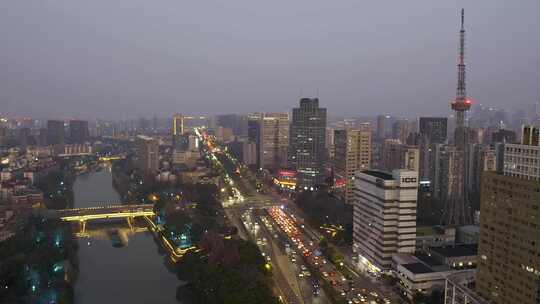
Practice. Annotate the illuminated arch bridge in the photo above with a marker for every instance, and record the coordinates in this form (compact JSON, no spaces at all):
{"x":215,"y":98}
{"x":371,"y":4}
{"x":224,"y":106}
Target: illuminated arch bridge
{"x":83,"y":215}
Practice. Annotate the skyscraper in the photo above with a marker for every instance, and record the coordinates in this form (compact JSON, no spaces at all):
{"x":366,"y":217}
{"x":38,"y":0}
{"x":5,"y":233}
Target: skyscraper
{"x":178,"y":124}
{"x":383,"y":124}
{"x":384,"y":216}
{"x":78,"y":131}
{"x":396,"y":155}
{"x":456,"y":208}
{"x":55,"y":132}
{"x":352,"y":153}
{"x":509,"y":252}
{"x":307,"y":142}
{"x":434,"y":129}
{"x":274,"y":140}
{"x":254,"y":135}
{"x":147,"y":154}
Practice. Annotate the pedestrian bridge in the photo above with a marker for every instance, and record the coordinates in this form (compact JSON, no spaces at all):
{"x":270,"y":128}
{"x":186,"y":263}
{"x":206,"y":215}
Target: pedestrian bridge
{"x":105,"y":212}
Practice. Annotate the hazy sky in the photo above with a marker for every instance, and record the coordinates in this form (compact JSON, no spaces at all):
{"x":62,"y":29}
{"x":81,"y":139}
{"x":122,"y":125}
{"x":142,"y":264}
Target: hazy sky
{"x":131,"y":58}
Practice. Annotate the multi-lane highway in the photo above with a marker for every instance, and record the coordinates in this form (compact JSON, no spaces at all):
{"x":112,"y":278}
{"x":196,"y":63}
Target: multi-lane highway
{"x":290,"y":246}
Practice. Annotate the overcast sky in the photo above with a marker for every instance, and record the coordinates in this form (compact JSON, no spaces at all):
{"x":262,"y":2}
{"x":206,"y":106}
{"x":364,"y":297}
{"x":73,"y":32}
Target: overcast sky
{"x":131,"y":58}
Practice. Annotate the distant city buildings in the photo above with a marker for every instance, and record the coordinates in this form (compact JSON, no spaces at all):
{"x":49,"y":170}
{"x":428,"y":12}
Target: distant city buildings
{"x":78,"y":131}
{"x":523,"y":160}
{"x":352,"y":153}
{"x":307,"y":143}
{"x":147,"y":155}
{"x":434,"y":129}
{"x":384,"y":217}
{"x":396,"y":155}
{"x":273,"y":140}
{"x":177,"y":128}
{"x":55,"y":132}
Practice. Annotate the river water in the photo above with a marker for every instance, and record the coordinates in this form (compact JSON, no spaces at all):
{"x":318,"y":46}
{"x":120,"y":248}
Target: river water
{"x":135,"y":273}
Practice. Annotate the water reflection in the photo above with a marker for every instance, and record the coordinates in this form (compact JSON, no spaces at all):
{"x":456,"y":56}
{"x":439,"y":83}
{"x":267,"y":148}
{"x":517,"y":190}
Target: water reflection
{"x":118,"y":263}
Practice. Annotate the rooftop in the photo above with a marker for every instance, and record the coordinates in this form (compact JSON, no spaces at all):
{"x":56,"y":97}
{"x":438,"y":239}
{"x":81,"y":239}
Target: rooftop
{"x":418,"y":268}
{"x":379,"y":174}
{"x":456,"y":250}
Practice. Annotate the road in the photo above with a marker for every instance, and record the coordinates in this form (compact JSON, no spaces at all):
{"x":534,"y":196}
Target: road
{"x":276,"y":224}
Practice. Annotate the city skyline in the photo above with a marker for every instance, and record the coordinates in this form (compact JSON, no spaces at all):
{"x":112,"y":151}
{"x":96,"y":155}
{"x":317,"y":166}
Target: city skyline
{"x":358,"y":65}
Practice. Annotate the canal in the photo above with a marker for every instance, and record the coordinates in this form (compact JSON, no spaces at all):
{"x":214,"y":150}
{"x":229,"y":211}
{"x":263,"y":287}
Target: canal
{"x":134,"y":273}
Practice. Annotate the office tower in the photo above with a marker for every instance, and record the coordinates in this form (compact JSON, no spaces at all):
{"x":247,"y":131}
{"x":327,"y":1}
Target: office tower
{"x":482,"y":158}
{"x":384,"y":216}
{"x":509,"y":264}
{"x":401,"y":130}
{"x":147,"y":155}
{"x":523,"y":160}
{"x":456,"y":206}
{"x":307,"y":142}
{"x":395,"y":155}
{"x":224,"y":135}
{"x":3,"y":135}
{"x":254,"y":135}
{"x":530,"y":135}
{"x":55,"y":132}
{"x":504,"y":136}
{"x":249,"y":153}
{"x":383,"y":124}
{"x":237,"y":123}
{"x":177,"y":130}
{"x":352,"y":153}
{"x":274,"y":140}
{"x":434,"y":129}
{"x":78,"y":131}
{"x":330,"y":146}
{"x":178,"y":127}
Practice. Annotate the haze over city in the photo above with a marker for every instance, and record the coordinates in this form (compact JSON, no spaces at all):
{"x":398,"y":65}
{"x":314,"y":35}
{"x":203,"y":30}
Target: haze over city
{"x":126,"y":59}
{"x":246,"y":152}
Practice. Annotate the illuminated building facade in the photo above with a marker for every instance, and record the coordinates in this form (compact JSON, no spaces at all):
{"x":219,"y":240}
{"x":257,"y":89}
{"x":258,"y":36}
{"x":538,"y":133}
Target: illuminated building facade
{"x":509,"y":264}
{"x":307,"y":143}
{"x":384,"y":216}
{"x":352,"y":153}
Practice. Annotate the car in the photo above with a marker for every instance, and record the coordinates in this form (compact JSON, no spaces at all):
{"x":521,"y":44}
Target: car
{"x":343,"y":293}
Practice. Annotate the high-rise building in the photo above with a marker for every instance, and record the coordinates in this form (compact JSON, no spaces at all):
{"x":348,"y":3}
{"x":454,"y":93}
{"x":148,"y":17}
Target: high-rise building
{"x":401,"y":130}
{"x":523,"y":161}
{"x":530,"y":135}
{"x":274,"y":141}
{"x":177,"y":131}
{"x":307,"y":143}
{"x":383,"y":125}
{"x":434,"y":129}
{"x":78,"y":131}
{"x":148,"y":154}
{"x":178,"y":125}
{"x":352,"y":153}
{"x":509,"y":264}
{"x":456,"y":207}
{"x":330,"y":145}
{"x":384,"y":216}
{"x":396,"y":155}
{"x":254,"y":135}
{"x":482,"y":158}
{"x":504,"y":136}
{"x":237,"y":123}
{"x":56,"y":133}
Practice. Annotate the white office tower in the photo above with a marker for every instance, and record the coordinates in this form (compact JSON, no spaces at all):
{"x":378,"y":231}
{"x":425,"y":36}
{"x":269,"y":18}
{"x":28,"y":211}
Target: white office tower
{"x":384,"y":219}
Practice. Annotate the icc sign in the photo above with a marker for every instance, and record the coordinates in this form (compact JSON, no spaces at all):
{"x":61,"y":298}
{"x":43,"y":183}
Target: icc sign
{"x":407,"y":180}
